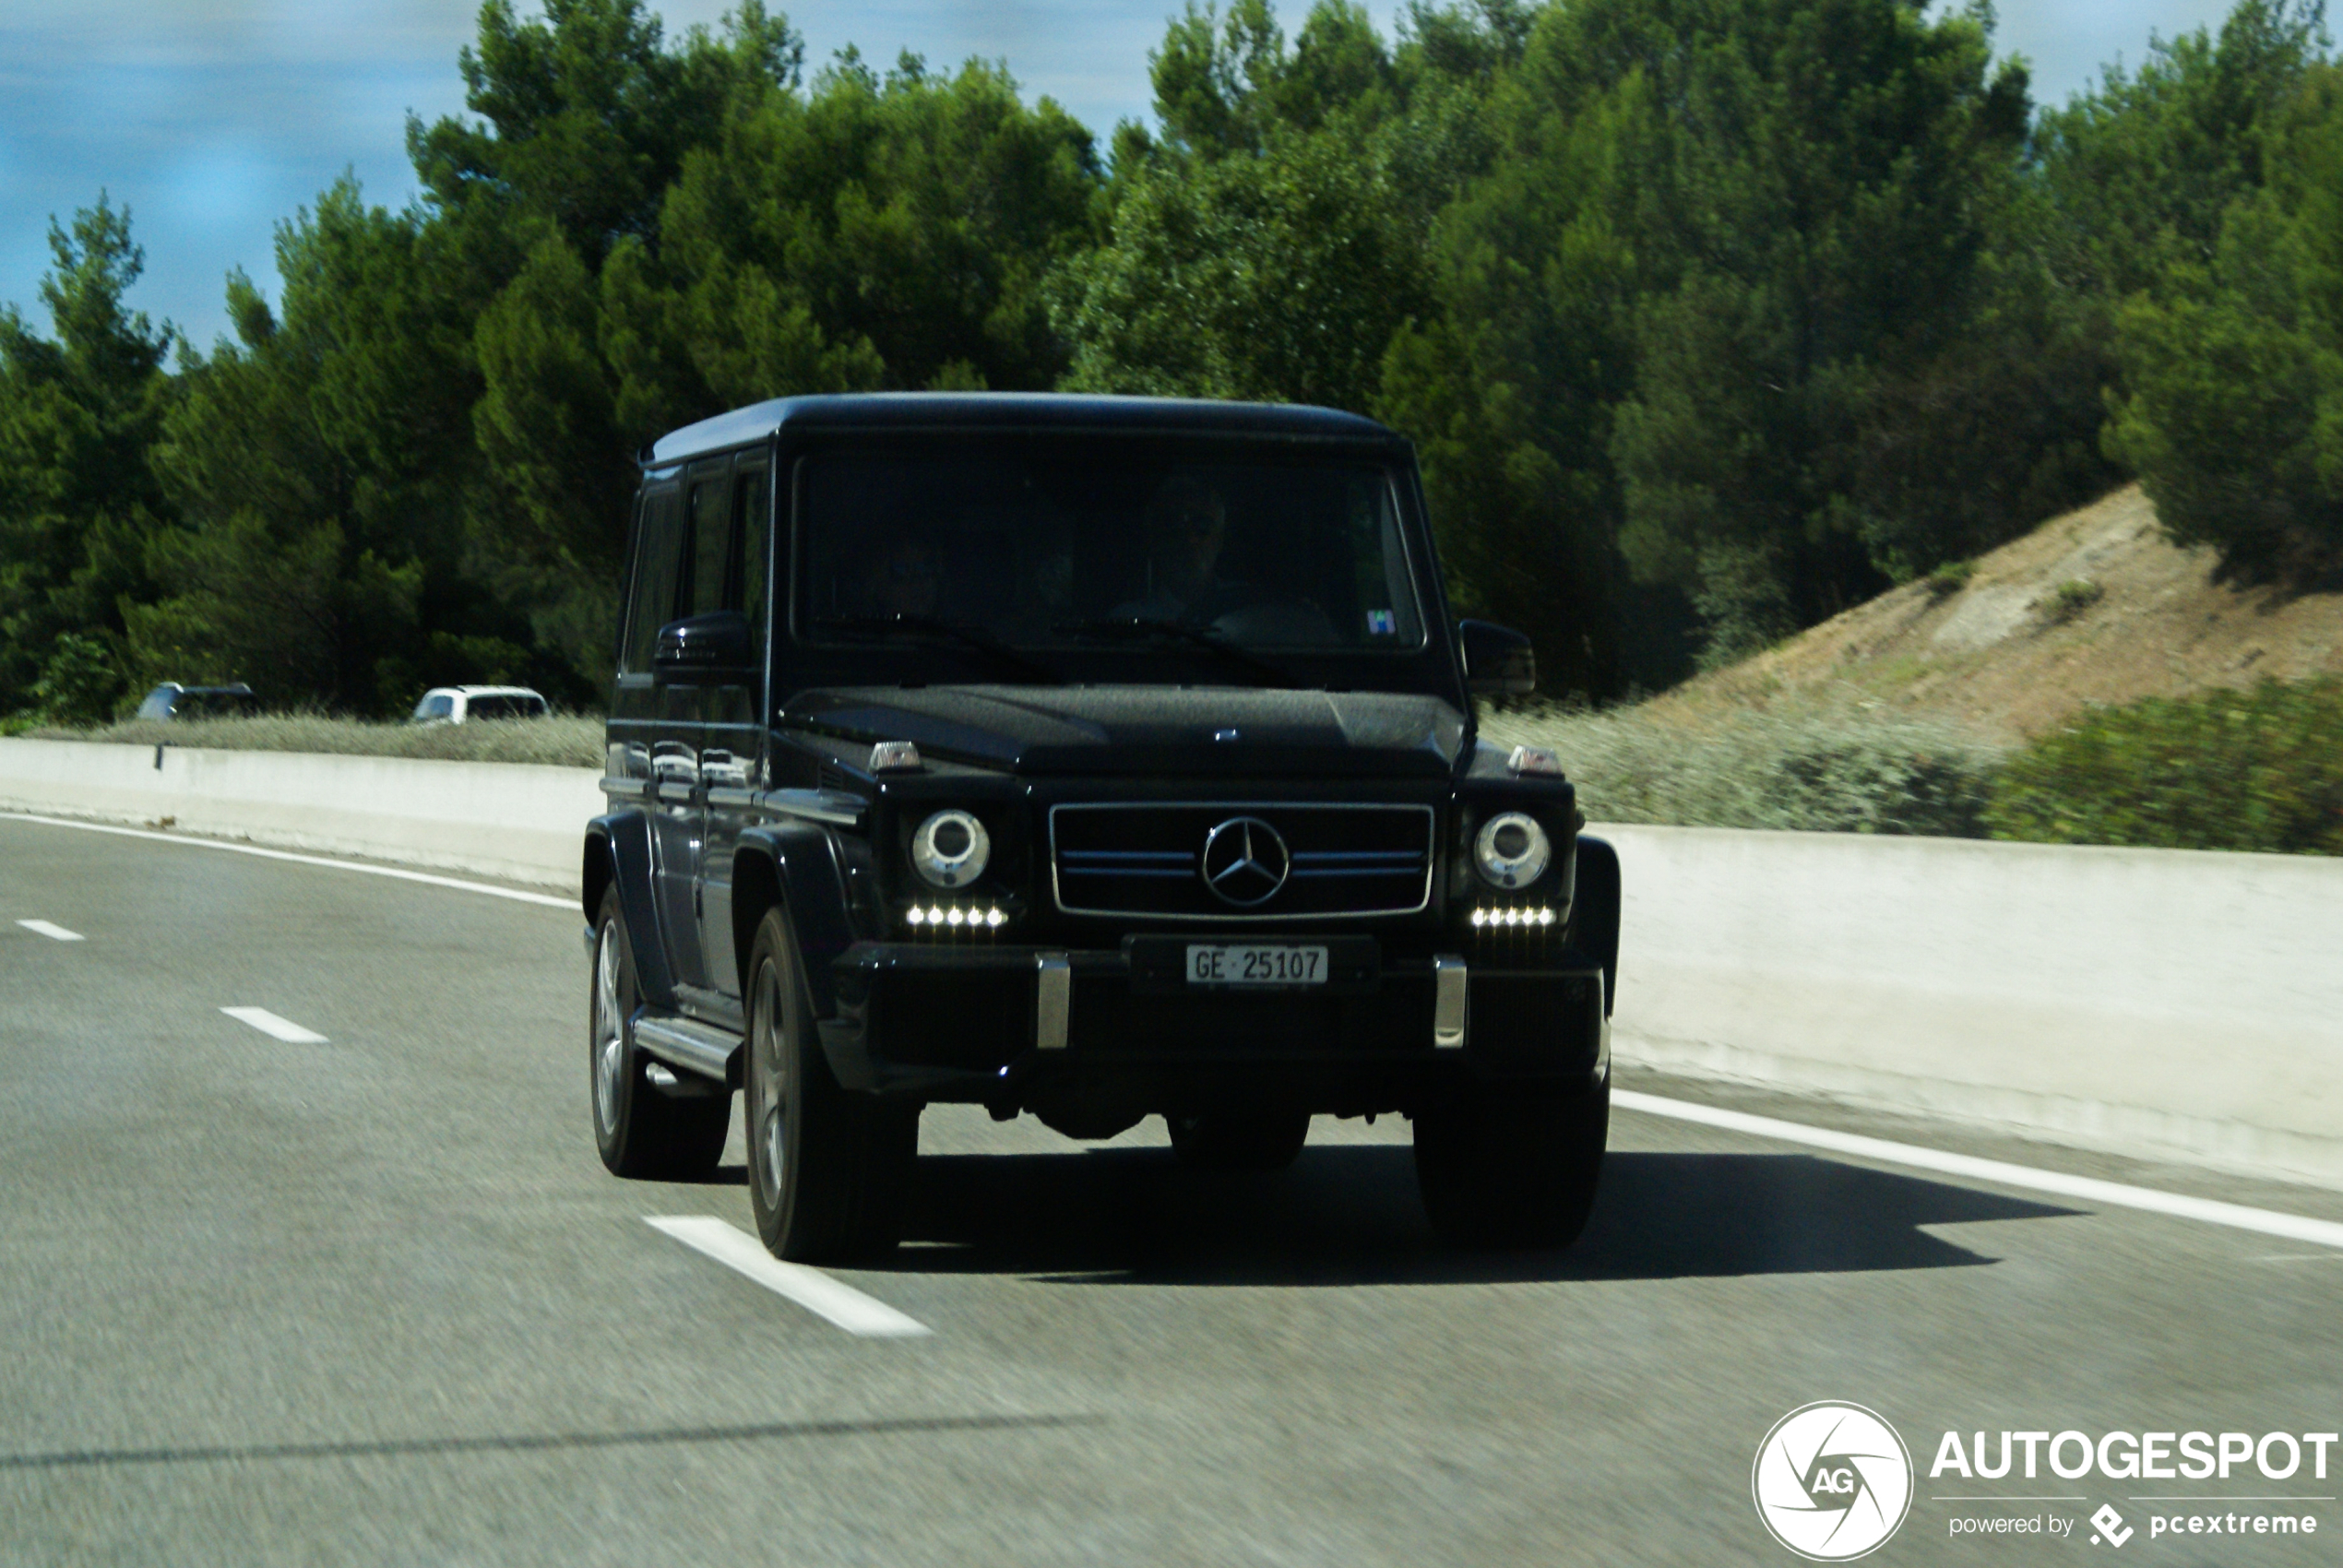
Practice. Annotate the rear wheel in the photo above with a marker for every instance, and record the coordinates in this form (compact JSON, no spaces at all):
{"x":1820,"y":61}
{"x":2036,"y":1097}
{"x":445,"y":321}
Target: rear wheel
{"x":827,"y":1167}
{"x":1501,"y":1170}
{"x":642,"y":1130}
{"x":1259,"y":1140}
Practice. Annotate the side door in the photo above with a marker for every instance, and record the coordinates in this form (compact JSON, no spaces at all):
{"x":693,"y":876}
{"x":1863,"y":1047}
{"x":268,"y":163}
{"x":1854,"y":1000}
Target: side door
{"x":679,"y":818}
{"x":731,"y":746}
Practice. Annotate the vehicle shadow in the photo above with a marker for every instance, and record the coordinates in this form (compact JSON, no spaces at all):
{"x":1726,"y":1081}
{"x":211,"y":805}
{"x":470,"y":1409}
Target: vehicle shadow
{"x":1349,"y":1215}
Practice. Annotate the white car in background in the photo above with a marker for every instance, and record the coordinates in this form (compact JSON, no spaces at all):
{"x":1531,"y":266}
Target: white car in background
{"x":461,"y":705}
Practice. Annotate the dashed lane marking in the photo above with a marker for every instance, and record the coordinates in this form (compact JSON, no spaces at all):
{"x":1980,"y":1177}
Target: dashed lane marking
{"x":396,"y":874}
{"x":268,"y":1023}
{"x":54,"y":933}
{"x":2210,"y":1211}
{"x":809,"y":1287}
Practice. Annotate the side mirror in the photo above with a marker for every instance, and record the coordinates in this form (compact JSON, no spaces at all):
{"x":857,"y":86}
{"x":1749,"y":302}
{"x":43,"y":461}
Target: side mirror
{"x":1498,"y":660}
{"x":703,"y":650}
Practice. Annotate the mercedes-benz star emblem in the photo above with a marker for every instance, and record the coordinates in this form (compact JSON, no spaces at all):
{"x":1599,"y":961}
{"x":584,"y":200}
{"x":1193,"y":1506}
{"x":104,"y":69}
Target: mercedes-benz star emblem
{"x":1244,"y":861}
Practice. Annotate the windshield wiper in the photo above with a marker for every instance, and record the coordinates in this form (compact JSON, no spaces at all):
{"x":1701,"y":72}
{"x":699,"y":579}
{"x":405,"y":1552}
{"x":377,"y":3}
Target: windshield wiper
{"x":1127,"y":628}
{"x":950,"y":630}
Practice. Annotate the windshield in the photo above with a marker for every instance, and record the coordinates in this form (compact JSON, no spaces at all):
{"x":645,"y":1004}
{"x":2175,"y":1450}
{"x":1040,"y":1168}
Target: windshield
{"x":1081,"y":544}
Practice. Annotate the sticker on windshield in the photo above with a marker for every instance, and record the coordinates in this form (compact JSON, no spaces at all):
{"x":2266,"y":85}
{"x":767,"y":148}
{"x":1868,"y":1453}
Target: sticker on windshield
{"x":1382,"y":623}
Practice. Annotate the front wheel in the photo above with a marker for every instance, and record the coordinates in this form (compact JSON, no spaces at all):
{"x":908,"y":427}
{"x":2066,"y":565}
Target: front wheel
{"x":642,"y":1130}
{"x":827,"y":1167}
{"x":1501,"y":1170}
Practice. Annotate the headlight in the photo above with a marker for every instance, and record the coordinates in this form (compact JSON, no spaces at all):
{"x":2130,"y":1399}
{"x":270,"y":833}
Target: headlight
{"x":951,"y":848}
{"x":1512,"y":849}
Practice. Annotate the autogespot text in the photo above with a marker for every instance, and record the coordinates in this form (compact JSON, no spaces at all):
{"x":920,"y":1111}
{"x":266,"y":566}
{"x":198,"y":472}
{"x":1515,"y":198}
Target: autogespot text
{"x":2150,"y":1455}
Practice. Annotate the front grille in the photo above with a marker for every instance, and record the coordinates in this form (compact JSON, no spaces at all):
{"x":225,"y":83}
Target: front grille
{"x":1148,"y":858}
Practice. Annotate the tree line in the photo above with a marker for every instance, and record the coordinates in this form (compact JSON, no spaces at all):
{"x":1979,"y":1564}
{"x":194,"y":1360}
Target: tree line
{"x":1708,"y":317}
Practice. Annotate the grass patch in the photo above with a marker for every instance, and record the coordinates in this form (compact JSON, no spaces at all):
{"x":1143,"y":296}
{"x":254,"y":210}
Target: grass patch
{"x":561,"y":740}
{"x":1815,"y":768}
{"x":2220,"y":770}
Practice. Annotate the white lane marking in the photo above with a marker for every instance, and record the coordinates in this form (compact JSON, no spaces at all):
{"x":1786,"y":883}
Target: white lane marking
{"x":2269,"y":1222}
{"x":54,"y":933}
{"x":268,"y":1023}
{"x":547,"y":899}
{"x":809,"y":1287}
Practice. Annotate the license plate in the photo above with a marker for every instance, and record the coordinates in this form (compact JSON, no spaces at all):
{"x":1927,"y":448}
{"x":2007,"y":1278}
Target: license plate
{"x":1255,"y":964}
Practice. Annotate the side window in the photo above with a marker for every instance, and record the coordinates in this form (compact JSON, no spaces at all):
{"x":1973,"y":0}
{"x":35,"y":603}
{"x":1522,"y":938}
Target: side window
{"x":753,"y":503}
{"x":659,"y":549}
{"x":711,"y":545}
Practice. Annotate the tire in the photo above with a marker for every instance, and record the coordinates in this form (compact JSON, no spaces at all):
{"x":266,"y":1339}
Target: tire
{"x":828,"y":1169}
{"x":643,"y":1131}
{"x":1265,"y":1140}
{"x":1506,"y":1170}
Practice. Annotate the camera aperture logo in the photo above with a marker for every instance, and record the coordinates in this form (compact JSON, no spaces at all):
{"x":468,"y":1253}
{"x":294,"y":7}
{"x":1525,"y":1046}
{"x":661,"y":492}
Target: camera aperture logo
{"x":1832,"y":1481}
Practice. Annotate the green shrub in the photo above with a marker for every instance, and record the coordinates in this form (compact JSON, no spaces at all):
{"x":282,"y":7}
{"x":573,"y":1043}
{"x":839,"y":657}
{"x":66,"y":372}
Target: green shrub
{"x":1950,"y":578}
{"x":1813,"y":768}
{"x":2072,"y":597}
{"x":2222,"y":771}
{"x":81,"y":683}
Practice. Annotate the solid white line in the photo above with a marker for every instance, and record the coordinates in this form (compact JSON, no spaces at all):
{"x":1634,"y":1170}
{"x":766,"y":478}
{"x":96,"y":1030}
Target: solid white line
{"x":54,"y":933}
{"x":547,"y":899}
{"x":809,"y":1287}
{"x":268,"y":1023}
{"x":2269,"y":1222}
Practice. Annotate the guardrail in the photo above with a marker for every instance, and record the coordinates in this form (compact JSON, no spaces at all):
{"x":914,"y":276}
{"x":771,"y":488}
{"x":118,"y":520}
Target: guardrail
{"x":2167,"y":1002}
{"x":2164,"y":1003}
{"x":515,"y":821}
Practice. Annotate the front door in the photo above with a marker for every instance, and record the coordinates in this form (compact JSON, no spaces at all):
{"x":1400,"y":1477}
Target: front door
{"x":679,"y":812}
{"x":731,"y":757}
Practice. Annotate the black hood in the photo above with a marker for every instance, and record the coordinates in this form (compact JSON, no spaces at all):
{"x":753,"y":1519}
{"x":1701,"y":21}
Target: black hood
{"x":1149,"y":730}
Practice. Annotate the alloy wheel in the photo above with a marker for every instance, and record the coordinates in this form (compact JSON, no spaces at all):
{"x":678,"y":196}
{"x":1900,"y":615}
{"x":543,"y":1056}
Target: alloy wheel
{"x":610,"y":1029}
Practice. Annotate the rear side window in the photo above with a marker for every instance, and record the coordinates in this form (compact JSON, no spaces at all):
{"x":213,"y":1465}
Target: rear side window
{"x":711,"y":545}
{"x":659,"y":548}
{"x":754,"y":506}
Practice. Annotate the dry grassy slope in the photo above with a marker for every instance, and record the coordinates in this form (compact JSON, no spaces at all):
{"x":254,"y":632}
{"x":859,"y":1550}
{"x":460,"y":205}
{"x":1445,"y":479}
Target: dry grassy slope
{"x":2000,"y":658}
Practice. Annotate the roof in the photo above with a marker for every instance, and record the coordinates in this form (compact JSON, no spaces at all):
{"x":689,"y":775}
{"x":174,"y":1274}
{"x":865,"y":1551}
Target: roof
{"x":1014,"y":411}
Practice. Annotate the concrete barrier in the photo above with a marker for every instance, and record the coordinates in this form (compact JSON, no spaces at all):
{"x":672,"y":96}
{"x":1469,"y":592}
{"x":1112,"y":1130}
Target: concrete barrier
{"x":522,"y":823}
{"x":2152,"y":1001}
{"x":2162,"y":1003}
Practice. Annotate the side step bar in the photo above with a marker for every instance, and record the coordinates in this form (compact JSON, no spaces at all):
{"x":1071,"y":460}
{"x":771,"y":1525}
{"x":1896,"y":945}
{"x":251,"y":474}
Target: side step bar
{"x":686,"y":1043}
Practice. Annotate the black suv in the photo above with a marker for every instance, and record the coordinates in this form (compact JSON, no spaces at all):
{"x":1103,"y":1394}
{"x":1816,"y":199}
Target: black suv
{"x":1095,"y":758}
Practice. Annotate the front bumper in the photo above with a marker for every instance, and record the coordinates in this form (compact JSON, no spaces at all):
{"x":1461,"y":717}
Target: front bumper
{"x":1010,"y":1026}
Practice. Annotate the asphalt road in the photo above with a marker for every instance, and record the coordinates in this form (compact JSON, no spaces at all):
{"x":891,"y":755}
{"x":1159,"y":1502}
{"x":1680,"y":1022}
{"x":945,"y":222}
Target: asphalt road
{"x":373,"y":1300}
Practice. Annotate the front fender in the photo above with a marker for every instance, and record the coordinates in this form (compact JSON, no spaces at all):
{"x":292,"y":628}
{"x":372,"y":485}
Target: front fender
{"x":618,"y":853}
{"x":796,"y":863}
{"x":1594,"y":915}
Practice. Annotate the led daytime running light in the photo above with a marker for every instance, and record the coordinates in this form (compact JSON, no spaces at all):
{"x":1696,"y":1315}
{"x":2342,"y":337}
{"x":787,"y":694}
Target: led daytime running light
{"x":990,"y":917}
{"x":1485,"y":918}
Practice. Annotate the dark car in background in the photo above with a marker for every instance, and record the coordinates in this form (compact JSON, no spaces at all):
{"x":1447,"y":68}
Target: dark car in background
{"x":1090,"y":757}
{"x":171,"y":700}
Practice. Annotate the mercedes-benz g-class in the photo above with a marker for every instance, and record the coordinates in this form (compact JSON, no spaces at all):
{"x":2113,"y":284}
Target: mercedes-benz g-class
{"x":1089,"y":758}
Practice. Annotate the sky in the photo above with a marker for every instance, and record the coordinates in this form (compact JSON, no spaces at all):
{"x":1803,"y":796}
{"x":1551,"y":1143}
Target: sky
{"x":215,"y":120}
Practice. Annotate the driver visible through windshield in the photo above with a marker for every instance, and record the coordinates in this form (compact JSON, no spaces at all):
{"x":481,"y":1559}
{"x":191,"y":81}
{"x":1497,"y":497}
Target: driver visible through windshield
{"x":1050,"y":545}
